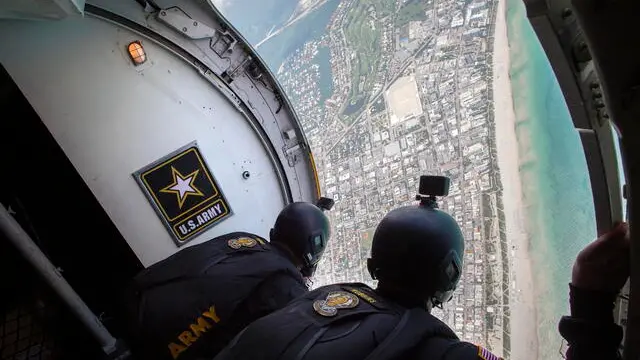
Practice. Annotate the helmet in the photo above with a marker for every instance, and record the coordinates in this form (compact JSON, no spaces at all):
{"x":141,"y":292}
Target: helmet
{"x":304,"y":229}
{"x":418,"y":248}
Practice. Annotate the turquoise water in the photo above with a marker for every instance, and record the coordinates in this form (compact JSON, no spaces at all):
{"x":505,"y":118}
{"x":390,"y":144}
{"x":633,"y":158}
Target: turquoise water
{"x":559,"y":209}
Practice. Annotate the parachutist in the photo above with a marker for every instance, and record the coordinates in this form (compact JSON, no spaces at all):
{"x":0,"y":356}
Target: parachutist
{"x":191,"y":304}
{"x":416,"y":256}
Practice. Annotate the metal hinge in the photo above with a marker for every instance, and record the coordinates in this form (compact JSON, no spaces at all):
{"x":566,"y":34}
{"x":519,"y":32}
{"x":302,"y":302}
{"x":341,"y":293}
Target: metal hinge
{"x":182,"y":23}
{"x":294,"y":153}
{"x":221,"y":41}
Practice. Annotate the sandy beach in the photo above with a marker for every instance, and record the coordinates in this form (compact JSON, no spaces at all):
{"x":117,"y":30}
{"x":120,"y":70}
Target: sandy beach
{"x":524,"y":342}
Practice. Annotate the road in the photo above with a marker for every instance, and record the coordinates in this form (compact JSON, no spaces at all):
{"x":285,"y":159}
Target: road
{"x":375,"y":98}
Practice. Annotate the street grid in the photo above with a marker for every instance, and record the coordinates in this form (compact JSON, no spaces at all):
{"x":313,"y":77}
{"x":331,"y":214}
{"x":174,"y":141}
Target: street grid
{"x":370,"y":163}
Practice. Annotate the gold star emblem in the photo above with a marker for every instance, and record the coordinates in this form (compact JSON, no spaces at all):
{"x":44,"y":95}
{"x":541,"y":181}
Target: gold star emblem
{"x":182,"y":186}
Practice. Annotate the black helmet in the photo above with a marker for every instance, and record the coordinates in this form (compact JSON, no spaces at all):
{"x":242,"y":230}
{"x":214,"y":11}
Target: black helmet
{"x":418,"y":248}
{"x":304,"y":229}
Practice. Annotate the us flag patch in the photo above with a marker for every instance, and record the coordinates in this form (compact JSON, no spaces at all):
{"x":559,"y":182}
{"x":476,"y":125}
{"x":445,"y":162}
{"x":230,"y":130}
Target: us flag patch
{"x":486,"y":354}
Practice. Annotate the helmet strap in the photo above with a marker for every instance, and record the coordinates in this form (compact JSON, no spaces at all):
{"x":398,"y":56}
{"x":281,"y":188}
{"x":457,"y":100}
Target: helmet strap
{"x":308,"y":282}
{"x":288,"y":253}
{"x":431,"y":303}
{"x":440,"y":297}
{"x":373,"y":268}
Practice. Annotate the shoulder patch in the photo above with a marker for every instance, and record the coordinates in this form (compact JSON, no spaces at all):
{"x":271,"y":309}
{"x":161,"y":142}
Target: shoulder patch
{"x":240,"y":242}
{"x":335,"y":300}
{"x":364,"y":296}
{"x":485,"y":354}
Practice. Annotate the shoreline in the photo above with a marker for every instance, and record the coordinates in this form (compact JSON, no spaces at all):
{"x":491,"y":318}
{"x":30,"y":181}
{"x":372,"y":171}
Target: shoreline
{"x":523,"y":322}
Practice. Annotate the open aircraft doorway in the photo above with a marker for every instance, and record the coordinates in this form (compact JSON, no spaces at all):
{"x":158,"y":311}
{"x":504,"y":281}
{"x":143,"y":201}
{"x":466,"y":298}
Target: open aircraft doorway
{"x":213,"y":109}
{"x":503,"y":97}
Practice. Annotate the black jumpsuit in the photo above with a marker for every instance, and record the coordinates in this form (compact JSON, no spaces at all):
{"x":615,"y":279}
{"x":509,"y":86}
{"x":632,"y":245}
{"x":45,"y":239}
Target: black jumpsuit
{"x":193,"y":303}
{"x":349,"y":321}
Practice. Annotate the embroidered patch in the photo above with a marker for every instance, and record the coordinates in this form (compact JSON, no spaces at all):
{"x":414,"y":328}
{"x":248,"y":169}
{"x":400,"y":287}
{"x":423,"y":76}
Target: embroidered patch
{"x":240,"y":242}
{"x":361,"y":294}
{"x":334,"y":301}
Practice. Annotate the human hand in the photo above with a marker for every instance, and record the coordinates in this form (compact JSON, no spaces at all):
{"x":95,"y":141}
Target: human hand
{"x":603,"y":265}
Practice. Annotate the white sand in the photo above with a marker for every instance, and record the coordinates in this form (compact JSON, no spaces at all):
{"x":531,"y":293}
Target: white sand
{"x":524,"y":341}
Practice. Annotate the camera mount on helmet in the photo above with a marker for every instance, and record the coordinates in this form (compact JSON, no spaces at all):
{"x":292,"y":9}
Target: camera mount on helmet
{"x":430,"y":187}
{"x":325,"y":204}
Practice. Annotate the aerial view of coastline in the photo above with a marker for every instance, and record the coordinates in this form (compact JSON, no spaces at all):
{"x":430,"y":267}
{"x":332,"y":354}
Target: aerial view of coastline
{"x":558,"y":211}
{"x":389,"y":90}
{"x":524,"y":341}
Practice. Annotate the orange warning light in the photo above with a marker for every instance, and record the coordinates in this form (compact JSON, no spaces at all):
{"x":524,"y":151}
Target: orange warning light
{"x":136,"y":52}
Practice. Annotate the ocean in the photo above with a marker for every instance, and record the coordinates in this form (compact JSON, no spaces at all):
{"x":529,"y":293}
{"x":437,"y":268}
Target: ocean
{"x":275,"y":50}
{"x":264,"y":16}
{"x":560,"y":217}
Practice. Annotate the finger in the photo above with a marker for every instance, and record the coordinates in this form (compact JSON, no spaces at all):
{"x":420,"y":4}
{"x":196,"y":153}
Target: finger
{"x":620,"y":229}
{"x":620,"y":237}
{"x":614,"y":235}
{"x":610,"y":242}
{"x":621,"y":226}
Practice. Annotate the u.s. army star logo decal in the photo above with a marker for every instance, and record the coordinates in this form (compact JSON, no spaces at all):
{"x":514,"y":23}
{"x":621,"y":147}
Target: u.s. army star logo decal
{"x":335,"y":300}
{"x":182,"y":190}
{"x":182,"y":186}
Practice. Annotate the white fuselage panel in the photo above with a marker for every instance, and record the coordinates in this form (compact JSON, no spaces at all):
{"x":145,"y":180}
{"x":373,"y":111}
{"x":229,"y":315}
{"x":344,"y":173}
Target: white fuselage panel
{"x":112,"y":118}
